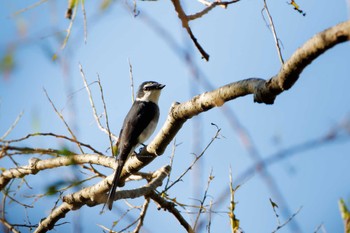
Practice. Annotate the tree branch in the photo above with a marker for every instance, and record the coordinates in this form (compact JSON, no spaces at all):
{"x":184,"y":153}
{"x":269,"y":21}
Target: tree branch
{"x":35,"y":165}
{"x":93,"y":196}
{"x":262,"y":90}
{"x":170,"y":206}
{"x":56,"y":214}
{"x":184,"y":20}
{"x":308,"y":52}
{"x":8,"y":225}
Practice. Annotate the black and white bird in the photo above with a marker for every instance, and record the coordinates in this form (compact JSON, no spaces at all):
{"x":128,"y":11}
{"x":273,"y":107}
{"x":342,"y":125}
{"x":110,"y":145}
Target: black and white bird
{"x":139,"y":124}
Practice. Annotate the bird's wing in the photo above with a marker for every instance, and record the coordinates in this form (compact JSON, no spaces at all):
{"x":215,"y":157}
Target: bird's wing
{"x":138,"y":118}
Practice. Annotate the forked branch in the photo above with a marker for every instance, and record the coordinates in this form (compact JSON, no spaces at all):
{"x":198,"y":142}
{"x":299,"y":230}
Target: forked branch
{"x":264,"y":91}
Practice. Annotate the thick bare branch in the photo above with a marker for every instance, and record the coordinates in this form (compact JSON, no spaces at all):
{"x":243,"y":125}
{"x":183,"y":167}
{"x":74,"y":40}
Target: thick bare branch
{"x":35,"y":165}
{"x":308,"y":52}
{"x":56,"y":214}
{"x":263,"y":91}
{"x":95,"y":195}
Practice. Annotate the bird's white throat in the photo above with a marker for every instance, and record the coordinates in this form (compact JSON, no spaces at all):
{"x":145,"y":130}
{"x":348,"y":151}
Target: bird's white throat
{"x":150,"y":96}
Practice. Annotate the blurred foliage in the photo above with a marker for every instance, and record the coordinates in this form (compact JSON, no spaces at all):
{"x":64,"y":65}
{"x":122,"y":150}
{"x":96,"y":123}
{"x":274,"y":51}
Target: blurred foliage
{"x":105,"y":4}
{"x":345,"y":214}
{"x":7,"y":62}
{"x":66,"y":152}
{"x":60,"y":186}
{"x":54,"y":188}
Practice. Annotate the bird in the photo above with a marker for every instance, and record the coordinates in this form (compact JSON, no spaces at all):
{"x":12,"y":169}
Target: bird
{"x":139,"y":124}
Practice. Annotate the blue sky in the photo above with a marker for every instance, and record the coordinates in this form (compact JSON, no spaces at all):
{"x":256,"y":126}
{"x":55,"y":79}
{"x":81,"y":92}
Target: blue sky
{"x":240,"y":46}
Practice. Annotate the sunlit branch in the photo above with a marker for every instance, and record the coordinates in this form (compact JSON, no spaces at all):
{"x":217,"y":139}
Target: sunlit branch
{"x":262,"y":90}
{"x":170,"y":206}
{"x":36,"y":165}
{"x":93,"y":196}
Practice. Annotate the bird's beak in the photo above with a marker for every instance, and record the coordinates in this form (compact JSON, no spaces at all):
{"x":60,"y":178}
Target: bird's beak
{"x":160,"y":86}
{"x":157,"y":86}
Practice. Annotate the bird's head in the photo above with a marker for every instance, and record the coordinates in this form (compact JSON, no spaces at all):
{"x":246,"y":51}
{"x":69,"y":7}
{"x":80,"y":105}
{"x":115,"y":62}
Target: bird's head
{"x":149,"y":91}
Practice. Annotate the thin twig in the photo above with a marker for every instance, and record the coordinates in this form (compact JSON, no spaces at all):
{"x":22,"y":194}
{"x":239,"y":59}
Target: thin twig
{"x":195,"y":160}
{"x":69,"y":29}
{"x":272,"y":26}
{"x":15,"y":200}
{"x":288,"y":220}
{"x":131,"y":81}
{"x":319,"y":227}
{"x":29,"y":7}
{"x":85,"y":20}
{"x":169,"y":206}
{"x":29,"y":150}
{"x":12,"y":126}
{"x":106,"y":115}
{"x":142,"y":215}
{"x":93,"y":105}
{"x":234,"y":222}
{"x":201,"y":207}
{"x":121,"y":218}
{"x":53,"y":135}
{"x":274,"y":207}
{"x":170,"y":164}
{"x":64,"y":121}
{"x":184,"y":20}
{"x":289,"y":152}
{"x":124,"y":215}
{"x":76,"y":183}
{"x":209,"y":215}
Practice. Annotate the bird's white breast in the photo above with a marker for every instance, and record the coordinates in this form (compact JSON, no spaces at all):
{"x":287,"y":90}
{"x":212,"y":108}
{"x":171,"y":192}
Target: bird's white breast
{"x":148,"y":131}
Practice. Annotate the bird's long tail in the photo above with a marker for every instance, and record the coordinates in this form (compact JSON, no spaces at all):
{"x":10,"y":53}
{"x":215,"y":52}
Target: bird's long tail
{"x":115,"y":184}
